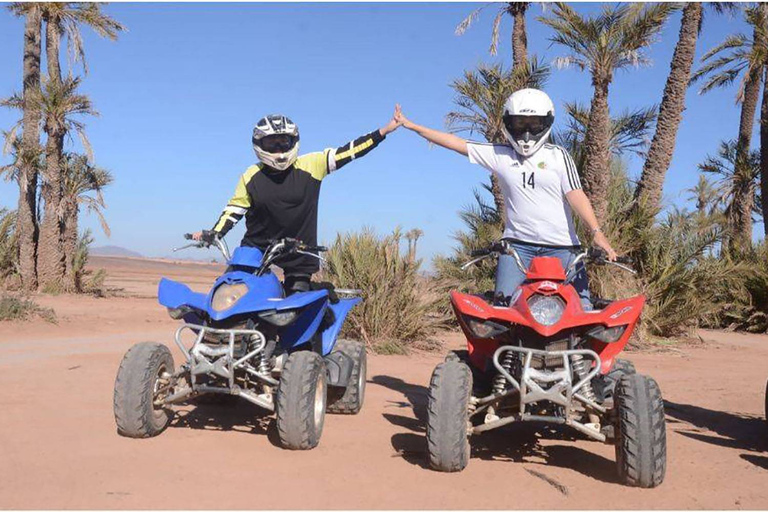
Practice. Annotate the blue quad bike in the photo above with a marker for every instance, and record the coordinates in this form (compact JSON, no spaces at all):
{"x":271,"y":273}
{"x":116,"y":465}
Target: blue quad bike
{"x":246,"y":338}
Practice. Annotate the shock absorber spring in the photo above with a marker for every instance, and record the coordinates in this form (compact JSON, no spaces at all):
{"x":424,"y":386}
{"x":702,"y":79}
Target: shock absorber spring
{"x":500,"y":382}
{"x":581,"y":368}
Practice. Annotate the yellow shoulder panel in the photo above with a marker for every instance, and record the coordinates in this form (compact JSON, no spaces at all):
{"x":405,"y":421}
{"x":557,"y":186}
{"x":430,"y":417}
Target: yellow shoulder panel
{"x":316,"y":164}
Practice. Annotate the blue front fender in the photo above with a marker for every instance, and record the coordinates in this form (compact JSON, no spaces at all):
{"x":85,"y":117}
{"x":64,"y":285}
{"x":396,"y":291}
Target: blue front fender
{"x":173,"y":295}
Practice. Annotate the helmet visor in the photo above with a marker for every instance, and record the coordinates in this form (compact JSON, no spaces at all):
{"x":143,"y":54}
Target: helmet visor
{"x":277,"y":143}
{"x":533,"y":126}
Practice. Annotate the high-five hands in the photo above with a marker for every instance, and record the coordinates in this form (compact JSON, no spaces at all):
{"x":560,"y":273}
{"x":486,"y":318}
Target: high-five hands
{"x":400,"y":117}
{"x":393,"y":123}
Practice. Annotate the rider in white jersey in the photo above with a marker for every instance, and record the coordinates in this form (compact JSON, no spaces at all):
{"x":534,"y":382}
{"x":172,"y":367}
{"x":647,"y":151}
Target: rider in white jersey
{"x":540,"y":185}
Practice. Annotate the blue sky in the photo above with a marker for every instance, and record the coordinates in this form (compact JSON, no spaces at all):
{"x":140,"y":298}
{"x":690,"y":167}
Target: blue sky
{"x":180,"y":91}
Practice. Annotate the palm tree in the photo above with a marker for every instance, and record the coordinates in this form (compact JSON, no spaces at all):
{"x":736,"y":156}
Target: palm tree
{"x":28,"y":153}
{"x":649,"y":189}
{"x":744,"y":57}
{"x":516,"y":10}
{"x":764,"y":153}
{"x":480,"y":97}
{"x":629,"y":131}
{"x":83,"y":186}
{"x":61,"y":106}
{"x":737,"y":184}
{"x":707,"y":197}
{"x":612,"y":40}
{"x":63,"y":19}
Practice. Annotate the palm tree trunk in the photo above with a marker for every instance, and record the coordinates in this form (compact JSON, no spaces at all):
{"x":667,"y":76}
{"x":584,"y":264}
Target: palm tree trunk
{"x":764,"y":151}
{"x":70,"y":245}
{"x":743,"y":200}
{"x":519,"y":35}
{"x":649,"y":189}
{"x":50,"y":261}
{"x":26,"y":219}
{"x":597,"y":149}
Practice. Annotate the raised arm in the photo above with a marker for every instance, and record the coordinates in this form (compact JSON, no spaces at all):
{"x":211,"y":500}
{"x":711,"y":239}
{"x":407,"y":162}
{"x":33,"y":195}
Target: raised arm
{"x":341,"y":156}
{"x":446,"y":140}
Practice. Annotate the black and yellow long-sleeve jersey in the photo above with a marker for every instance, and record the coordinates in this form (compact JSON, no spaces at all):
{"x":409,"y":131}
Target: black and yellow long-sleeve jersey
{"x":278,"y":204}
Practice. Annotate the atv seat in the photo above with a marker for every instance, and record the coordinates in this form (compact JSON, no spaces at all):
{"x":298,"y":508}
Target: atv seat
{"x":325,"y":285}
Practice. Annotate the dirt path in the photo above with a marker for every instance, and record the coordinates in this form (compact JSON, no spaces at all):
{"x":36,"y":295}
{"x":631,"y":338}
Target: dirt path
{"x":59,"y":448}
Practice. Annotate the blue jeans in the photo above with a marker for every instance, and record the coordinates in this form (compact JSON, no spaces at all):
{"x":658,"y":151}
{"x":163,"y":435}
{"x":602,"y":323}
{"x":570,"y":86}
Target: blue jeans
{"x":509,"y":276}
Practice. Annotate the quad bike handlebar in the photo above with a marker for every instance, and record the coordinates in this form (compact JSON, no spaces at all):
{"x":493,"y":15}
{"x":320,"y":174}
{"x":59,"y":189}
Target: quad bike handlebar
{"x":276,"y":248}
{"x":594,"y":255}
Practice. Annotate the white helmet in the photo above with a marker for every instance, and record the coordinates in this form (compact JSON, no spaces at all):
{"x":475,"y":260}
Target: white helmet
{"x":276,"y":141}
{"x":528,"y":118}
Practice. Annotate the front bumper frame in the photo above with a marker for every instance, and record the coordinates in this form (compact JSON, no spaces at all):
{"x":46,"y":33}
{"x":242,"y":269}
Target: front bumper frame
{"x":536,"y":385}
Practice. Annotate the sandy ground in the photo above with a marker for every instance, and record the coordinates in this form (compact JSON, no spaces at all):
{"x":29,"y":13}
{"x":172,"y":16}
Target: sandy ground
{"x":59,"y":447}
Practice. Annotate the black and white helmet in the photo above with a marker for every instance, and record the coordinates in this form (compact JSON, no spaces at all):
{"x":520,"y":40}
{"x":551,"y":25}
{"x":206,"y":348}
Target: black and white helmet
{"x":276,"y":141}
{"x":528,"y":118}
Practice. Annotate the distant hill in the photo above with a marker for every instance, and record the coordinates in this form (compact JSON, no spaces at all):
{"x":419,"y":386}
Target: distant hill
{"x":113,"y":250}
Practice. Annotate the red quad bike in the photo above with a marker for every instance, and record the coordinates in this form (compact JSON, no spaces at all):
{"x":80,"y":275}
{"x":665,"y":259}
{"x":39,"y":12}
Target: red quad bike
{"x":538,"y":356}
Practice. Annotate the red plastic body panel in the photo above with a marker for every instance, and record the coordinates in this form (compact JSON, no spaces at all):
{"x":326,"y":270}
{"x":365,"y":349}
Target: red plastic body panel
{"x":545,"y":267}
{"x":622,"y":312}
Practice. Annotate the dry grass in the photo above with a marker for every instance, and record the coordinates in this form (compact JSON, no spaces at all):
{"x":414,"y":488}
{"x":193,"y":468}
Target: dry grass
{"x":18,"y":308}
{"x":399,"y":308}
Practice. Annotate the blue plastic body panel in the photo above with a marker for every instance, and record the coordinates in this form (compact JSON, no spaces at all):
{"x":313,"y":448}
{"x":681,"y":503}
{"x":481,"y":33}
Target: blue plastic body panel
{"x":247,"y":257}
{"x":265,"y":293}
{"x":340,"y":311}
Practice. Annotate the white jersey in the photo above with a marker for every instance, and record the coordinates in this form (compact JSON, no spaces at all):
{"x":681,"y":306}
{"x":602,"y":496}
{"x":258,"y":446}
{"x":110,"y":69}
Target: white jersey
{"x":534,"y":191}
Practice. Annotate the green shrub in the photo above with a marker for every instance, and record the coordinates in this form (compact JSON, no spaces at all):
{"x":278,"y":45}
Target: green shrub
{"x":87,"y":281}
{"x":399,"y":307}
{"x":9,"y":254}
{"x":15,"y":308}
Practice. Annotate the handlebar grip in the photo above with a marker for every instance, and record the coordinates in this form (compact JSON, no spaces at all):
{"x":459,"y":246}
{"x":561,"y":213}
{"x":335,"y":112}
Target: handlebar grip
{"x":188,"y":236}
{"x":624,"y":260}
{"x":479,"y":252}
{"x":321,"y":248}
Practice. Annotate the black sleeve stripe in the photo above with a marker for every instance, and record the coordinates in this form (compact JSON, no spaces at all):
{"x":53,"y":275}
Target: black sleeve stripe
{"x":357,"y":148}
{"x":570,"y":167}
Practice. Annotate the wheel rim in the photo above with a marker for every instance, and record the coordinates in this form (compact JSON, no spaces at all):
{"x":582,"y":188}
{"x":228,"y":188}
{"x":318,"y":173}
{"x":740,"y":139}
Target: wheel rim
{"x":361,"y":378}
{"x":320,"y":398}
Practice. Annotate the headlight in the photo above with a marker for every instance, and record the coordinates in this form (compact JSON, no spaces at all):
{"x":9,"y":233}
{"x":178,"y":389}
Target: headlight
{"x":547,"y":310}
{"x":278,"y":318}
{"x":227,"y":295}
{"x":607,"y":334}
{"x":484,"y":328}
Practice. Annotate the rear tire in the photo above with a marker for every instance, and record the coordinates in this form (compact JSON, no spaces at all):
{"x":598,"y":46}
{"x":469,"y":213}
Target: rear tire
{"x":137,"y":380}
{"x":641,"y":442}
{"x":301,"y":401}
{"x":349,"y":400}
{"x":450,"y":390}
{"x":766,"y":401}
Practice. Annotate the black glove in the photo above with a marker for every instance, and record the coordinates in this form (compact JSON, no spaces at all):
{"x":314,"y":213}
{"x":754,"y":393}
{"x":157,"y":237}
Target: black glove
{"x":209,"y":236}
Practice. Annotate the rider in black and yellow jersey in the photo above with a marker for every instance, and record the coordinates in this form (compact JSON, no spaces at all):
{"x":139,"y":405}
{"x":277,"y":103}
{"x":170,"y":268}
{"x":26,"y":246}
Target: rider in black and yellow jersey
{"x":279,"y":196}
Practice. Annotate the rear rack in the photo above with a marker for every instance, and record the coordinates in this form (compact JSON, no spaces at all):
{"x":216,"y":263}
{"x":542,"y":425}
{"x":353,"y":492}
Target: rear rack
{"x":348,"y":293}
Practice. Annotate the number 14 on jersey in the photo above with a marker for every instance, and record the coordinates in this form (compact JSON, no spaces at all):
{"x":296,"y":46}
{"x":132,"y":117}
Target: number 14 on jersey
{"x":529,"y":181}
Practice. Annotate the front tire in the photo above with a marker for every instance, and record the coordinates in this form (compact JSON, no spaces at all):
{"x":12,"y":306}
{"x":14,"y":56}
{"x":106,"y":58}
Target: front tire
{"x":450,"y":390}
{"x":641,"y":441}
{"x":135,"y":387}
{"x":349,"y":400}
{"x":301,"y":401}
{"x":624,"y":366}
